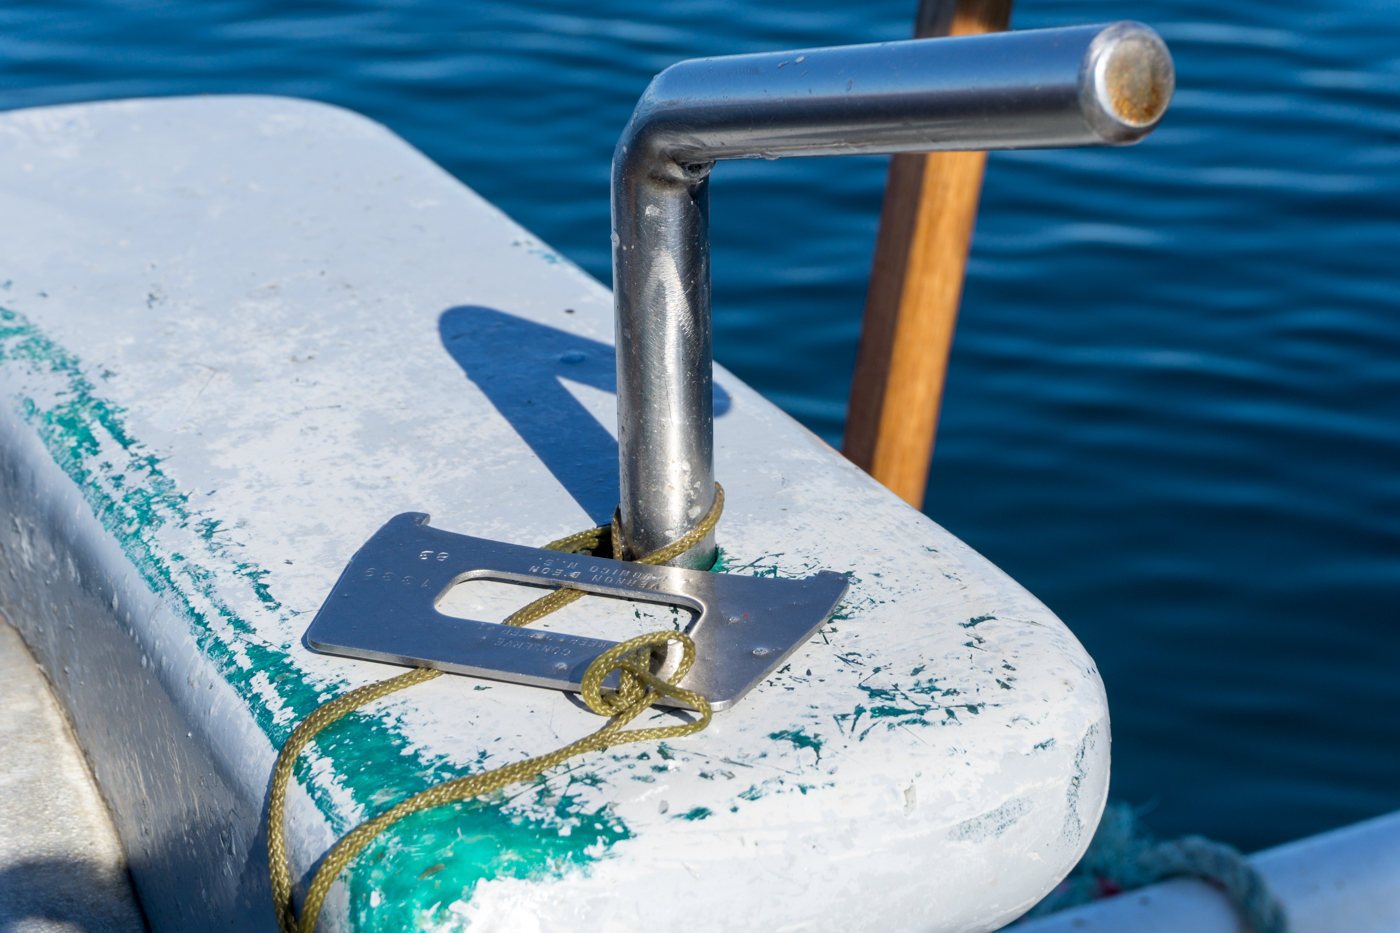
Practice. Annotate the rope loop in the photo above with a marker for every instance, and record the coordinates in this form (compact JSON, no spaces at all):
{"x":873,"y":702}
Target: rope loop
{"x":638,"y":689}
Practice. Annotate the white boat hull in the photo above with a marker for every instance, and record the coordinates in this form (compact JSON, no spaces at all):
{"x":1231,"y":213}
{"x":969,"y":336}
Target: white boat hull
{"x":238,"y":335}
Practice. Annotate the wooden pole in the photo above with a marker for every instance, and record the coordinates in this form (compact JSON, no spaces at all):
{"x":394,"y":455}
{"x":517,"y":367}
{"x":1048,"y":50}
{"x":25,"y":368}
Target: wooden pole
{"x":915,"y":285}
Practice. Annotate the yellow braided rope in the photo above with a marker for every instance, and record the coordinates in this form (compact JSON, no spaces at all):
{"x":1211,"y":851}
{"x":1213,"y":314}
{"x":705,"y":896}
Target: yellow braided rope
{"x":588,"y":540}
{"x":637,"y":690}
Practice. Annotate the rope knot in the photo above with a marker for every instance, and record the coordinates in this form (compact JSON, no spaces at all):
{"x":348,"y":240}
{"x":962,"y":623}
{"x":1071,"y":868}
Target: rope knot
{"x":638,"y":686}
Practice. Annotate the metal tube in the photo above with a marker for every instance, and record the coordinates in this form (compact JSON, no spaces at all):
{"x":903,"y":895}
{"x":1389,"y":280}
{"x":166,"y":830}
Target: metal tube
{"x":1081,"y":86}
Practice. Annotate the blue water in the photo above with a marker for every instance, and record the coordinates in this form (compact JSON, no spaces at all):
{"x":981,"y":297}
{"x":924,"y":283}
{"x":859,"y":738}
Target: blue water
{"x":1173,"y":408}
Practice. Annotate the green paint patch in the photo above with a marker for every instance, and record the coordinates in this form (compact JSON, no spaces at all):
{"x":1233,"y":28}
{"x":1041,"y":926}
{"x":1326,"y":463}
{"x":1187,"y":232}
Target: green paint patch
{"x":768,"y":565}
{"x":765,"y":566}
{"x":918,"y":703}
{"x":775,"y":786}
{"x":422,"y":874}
{"x":696,"y":813}
{"x":183,"y":553}
{"x":799,"y":740}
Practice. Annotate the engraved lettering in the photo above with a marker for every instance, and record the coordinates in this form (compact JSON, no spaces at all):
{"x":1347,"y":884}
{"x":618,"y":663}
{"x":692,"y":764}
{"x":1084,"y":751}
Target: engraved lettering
{"x":424,"y":555}
{"x":522,"y":645}
{"x":442,"y":556}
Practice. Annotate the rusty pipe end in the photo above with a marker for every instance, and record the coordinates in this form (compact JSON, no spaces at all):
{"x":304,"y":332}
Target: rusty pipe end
{"x":1126,"y":82}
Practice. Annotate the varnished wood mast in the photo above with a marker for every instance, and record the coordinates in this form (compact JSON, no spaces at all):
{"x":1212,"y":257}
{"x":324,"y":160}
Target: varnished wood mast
{"x":916,"y":283}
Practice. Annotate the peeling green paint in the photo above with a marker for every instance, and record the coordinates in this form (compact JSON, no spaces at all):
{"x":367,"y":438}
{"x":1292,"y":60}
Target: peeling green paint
{"x":895,"y":706}
{"x":799,"y":739}
{"x":774,"y":785}
{"x":763,"y":566}
{"x":696,"y":813}
{"x":147,"y":514}
{"x":422,"y":875}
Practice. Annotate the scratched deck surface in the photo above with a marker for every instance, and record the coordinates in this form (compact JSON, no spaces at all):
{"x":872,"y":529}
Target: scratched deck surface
{"x":238,"y":334}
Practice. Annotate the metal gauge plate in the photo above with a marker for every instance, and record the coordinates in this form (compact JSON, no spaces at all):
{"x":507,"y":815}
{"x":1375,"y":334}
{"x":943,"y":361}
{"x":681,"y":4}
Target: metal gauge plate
{"x":384,"y":608}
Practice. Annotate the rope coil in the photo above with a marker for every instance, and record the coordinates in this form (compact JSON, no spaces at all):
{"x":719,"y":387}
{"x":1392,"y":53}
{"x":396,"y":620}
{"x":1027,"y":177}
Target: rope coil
{"x":638,"y":689}
{"x":1123,"y":856}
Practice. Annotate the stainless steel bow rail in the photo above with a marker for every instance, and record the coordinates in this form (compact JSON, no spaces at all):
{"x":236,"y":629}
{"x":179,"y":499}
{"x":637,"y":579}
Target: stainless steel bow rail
{"x":1081,"y":86}
{"x":1084,"y":86}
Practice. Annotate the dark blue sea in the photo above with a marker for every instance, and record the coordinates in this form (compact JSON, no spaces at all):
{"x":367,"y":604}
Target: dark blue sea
{"x":1173,"y":408}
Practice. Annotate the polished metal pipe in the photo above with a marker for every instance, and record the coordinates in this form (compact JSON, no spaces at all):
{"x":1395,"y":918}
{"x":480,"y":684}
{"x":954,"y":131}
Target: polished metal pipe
{"x":1081,"y":86}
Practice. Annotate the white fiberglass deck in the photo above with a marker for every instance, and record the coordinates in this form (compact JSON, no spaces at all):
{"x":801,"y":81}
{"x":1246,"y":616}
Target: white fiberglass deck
{"x":238,"y":334}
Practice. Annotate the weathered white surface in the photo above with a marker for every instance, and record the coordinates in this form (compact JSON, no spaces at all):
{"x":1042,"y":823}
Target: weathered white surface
{"x":238,"y":335}
{"x":1345,"y":881}
{"x":61,"y":866}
